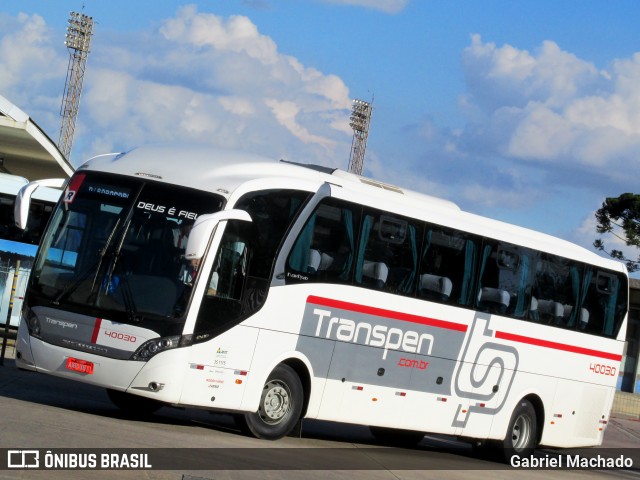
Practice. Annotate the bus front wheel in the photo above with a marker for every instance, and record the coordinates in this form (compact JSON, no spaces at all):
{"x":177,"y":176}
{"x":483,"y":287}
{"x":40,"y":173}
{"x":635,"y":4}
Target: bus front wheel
{"x":280,"y":405}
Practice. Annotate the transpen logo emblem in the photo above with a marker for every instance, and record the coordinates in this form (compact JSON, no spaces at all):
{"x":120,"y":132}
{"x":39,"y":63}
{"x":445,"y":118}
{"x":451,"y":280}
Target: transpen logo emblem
{"x":390,"y":338}
{"x":62,"y":323}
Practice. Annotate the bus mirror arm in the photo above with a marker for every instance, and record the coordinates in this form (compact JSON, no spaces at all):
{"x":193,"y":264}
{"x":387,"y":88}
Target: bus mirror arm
{"x":204,"y":226}
{"x":23,"y":198}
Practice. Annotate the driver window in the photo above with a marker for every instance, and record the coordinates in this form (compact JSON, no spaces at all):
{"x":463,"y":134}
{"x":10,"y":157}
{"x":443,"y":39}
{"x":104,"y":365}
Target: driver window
{"x":238,"y":284}
{"x":230,"y":266}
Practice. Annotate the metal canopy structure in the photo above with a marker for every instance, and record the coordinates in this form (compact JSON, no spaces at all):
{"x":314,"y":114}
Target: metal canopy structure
{"x":25,"y":149}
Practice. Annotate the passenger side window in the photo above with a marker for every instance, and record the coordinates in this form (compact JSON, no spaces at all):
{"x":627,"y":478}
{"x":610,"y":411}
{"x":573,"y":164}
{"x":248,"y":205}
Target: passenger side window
{"x":505,"y":279}
{"x":604,"y":303}
{"x":388,"y":254}
{"x":272,"y":212}
{"x":556,"y":291}
{"x":349,"y":244}
{"x":325,"y":249}
{"x":448,"y":266}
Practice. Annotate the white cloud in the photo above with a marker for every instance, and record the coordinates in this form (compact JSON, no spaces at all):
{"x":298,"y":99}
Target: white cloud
{"x":232,"y":87}
{"x":286,"y":113}
{"x":198,"y":77}
{"x":235,"y":34}
{"x":108,"y":97}
{"x":507,"y":76}
{"x":552,"y":109}
{"x":541,"y":134}
{"x":28,"y":61}
{"x":237,"y":105}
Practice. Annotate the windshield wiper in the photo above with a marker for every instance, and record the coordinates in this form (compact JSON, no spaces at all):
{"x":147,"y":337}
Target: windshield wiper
{"x":96,"y":265}
{"x":115,"y":260}
{"x":102,"y":254}
{"x":127,"y":296}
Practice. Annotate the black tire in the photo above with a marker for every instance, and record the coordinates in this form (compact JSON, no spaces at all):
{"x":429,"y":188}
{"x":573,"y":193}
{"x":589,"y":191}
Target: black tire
{"x":522,"y":433}
{"x":280,"y":406}
{"x":133,"y":404}
{"x":396,"y":437}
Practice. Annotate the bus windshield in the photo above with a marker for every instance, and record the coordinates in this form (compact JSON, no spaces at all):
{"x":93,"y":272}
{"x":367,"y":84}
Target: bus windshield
{"x":115,"y":246}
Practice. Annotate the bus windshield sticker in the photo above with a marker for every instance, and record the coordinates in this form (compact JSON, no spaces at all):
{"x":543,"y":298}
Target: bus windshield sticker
{"x":73,"y":187}
{"x":170,"y":211}
{"x":109,"y":190}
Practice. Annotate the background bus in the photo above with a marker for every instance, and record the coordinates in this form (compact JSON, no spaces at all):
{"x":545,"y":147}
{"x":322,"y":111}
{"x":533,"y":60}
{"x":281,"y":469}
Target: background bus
{"x":311,"y":292}
{"x":17,"y":244}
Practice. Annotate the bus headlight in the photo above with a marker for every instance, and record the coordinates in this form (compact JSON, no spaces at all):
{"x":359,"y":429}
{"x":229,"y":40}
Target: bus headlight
{"x":32,"y":321}
{"x":152,"y":347}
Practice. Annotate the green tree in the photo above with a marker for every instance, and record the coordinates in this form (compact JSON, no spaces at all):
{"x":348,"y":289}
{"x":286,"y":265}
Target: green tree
{"x":620,"y":214}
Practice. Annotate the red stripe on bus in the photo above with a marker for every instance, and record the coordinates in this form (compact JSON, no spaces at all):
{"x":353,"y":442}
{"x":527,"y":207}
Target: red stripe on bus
{"x":557,"y":346}
{"x":96,"y":330}
{"x":381,"y":312}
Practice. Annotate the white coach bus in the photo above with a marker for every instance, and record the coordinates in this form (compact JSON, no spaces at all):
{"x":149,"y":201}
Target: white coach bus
{"x":309,"y":292}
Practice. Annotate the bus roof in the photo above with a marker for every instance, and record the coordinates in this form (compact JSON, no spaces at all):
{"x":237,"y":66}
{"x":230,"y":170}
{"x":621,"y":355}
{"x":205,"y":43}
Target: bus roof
{"x":223,"y":171}
{"x":220,"y":171}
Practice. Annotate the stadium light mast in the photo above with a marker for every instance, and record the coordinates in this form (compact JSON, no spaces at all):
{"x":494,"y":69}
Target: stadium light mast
{"x":359,"y":121}
{"x":78,"y":42}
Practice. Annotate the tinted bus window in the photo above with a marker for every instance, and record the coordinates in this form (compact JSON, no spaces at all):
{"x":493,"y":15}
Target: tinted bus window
{"x":506,"y":279}
{"x":325,"y":250}
{"x":388,"y":253}
{"x":556,"y":291}
{"x":448,"y":267}
{"x":604,"y":303}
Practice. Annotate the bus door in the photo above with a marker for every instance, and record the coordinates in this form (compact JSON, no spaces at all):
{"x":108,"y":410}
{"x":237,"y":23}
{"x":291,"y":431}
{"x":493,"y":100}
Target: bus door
{"x":221,"y":355}
{"x":236,"y":286}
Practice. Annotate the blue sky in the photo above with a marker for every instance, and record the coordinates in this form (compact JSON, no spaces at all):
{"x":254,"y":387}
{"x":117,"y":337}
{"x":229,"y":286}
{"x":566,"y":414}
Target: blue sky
{"x":528,"y":112}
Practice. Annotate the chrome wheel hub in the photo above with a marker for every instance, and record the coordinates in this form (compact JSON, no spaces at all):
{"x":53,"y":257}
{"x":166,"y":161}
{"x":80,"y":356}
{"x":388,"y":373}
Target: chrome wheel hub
{"x":521,"y":433}
{"x":276,"y":402}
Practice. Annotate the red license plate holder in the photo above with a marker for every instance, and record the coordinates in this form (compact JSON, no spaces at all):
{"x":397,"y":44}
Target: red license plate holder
{"x":80,"y":366}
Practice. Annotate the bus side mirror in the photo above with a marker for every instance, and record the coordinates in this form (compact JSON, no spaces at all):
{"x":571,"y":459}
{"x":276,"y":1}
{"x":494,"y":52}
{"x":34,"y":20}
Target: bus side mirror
{"x":23,"y":198}
{"x":203,"y":228}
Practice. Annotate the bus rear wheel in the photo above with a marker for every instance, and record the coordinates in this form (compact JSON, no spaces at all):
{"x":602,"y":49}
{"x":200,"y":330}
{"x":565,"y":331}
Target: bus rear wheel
{"x":522,"y":434}
{"x":521,"y":438}
{"x":280,"y":406}
{"x":133,"y":404}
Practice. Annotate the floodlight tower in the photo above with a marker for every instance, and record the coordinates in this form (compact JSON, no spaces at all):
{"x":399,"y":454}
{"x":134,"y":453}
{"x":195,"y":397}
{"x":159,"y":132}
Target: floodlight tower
{"x":78,"y":42}
{"x":360,"y":120}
